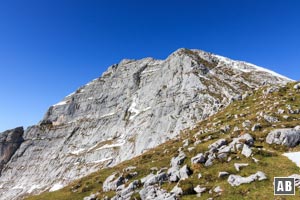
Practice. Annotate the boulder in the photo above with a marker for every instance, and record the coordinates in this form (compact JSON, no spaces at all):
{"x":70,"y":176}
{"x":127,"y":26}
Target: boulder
{"x":297,"y":86}
{"x":199,"y":158}
{"x":236,"y":180}
{"x":289,"y":137}
{"x":159,"y":178}
{"x":154,"y":192}
{"x":271,"y":119}
{"x":223,"y":174}
{"x":246,"y":151}
{"x":185,"y":172}
{"x":111,"y":183}
{"x":198,"y":189}
{"x":177,"y":190}
{"x":256,"y":127}
{"x":178,"y":160}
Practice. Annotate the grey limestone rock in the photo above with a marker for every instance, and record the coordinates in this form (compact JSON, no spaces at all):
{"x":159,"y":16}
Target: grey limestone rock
{"x":246,"y":151}
{"x":154,"y":192}
{"x":134,"y":106}
{"x":256,"y":127}
{"x":10,"y":141}
{"x":159,"y":178}
{"x":238,"y":166}
{"x":199,"y":158}
{"x":289,"y":137}
{"x":223,"y":174}
{"x":236,"y":180}
{"x":271,"y":119}
{"x":297,"y":86}
{"x":198,"y":189}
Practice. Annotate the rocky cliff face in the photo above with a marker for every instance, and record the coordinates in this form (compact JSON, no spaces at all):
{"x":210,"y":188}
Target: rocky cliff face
{"x":9,"y":142}
{"x":135,"y":105}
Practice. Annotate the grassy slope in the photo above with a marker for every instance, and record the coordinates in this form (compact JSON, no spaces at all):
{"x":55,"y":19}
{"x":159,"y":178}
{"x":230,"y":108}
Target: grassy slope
{"x":272,"y":163}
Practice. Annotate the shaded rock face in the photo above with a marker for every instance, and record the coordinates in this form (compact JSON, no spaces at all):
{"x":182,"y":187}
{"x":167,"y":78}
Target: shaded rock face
{"x":135,"y":105}
{"x":9,"y":142}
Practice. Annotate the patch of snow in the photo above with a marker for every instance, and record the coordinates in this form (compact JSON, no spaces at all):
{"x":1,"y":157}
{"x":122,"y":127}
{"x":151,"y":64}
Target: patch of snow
{"x":56,"y":187}
{"x":102,"y":160}
{"x":90,"y":98}
{"x":294,"y":157}
{"x":133,"y":110}
{"x":78,"y":151}
{"x":106,"y":146}
{"x":60,"y":103}
{"x":70,"y":94}
{"x":33,"y":187}
{"x":108,"y":114}
{"x":149,"y":71}
{"x":248,"y":67}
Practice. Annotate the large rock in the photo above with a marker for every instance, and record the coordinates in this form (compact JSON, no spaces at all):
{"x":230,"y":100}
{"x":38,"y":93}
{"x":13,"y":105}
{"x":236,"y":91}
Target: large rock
{"x":154,"y":192}
{"x":289,"y":137}
{"x":134,"y":106}
{"x":236,"y":180}
{"x":10,"y":141}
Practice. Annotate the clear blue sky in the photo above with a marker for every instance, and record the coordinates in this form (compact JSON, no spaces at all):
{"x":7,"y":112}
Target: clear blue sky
{"x":48,"y":48}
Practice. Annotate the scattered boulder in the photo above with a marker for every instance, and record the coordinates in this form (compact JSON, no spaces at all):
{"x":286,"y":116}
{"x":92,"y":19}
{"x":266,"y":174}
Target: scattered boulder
{"x":223,"y":174}
{"x":130,"y":188}
{"x":177,"y":190}
{"x":297,"y":86}
{"x":154,"y":192}
{"x":246,"y":124}
{"x":185,"y":172}
{"x":271,"y":119}
{"x":236,"y":180}
{"x":214,"y":146}
{"x":280,"y":111}
{"x":111,"y":183}
{"x":246,"y":151}
{"x":159,"y":178}
{"x":91,"y":197}
{"x":176,"y":161}
{"x":199,"y":158}
{"x":289,"y":137}
{"x":225,"y":128}
{"x":198,"y":189}
{"x":270,"y":90}
{"x":256,"y":127}
{"x":218,"y":189}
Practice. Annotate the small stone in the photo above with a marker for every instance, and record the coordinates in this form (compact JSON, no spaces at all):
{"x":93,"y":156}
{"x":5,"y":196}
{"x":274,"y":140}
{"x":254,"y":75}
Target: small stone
{"x":238,"y":166}
{"x":218,"y":189}
{"x":256,"y":127}
{"x":199,"y":175}
{"x":198,"y":189}
{"x":223,"y":174}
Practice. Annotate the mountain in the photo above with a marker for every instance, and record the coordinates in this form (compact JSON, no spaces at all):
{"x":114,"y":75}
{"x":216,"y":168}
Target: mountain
{"x":233,"y":154}
{"x":134,"y":106}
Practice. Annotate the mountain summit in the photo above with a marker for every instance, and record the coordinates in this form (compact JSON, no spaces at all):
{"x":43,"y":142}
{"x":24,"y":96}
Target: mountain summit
{"x":134,"y":106}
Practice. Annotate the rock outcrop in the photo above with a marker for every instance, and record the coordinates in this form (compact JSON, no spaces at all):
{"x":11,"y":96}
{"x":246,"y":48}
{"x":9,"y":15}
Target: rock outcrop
{"x":9,"y":142}
{"x":135,"y":105}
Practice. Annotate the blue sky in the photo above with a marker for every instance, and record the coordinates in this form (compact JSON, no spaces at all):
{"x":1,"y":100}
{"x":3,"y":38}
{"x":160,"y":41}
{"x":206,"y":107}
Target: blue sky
{"x":49,"y":48}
